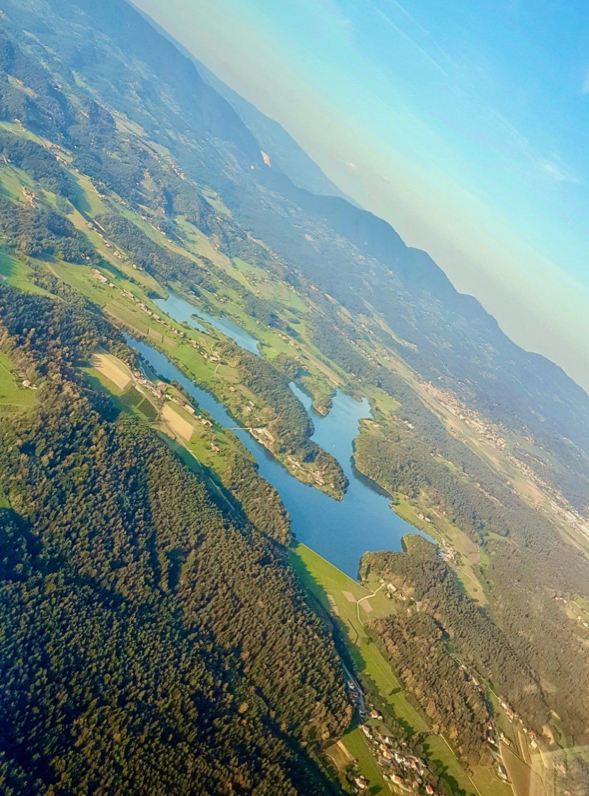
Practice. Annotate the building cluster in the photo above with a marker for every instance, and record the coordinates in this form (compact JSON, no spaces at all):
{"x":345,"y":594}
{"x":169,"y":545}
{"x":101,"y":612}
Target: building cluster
{"x":578,"y":616}
{"x":393,"y":591}
{"x":147,"y":384}
{"x":471,"y":677}
{"x":483,"y":428}
{"x":144,"y":308}
{"x":286,"y":339}
{"x":556,"y":500}
{"x":495,"y":735}
{"x":354,"y":689}
{"x":29,"y":196}
{"x":489,"y":432}
{"x":406,"y":423}
{"x":101,"y":278}
{"x":446,"y":551}
{"x":400,"y":770}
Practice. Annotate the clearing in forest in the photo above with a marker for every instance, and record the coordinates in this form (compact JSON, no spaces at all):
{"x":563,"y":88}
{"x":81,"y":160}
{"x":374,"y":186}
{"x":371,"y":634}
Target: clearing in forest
{"x":12,"y":393}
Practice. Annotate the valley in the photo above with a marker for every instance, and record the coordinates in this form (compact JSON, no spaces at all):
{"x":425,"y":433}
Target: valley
{"x":242,"y":425}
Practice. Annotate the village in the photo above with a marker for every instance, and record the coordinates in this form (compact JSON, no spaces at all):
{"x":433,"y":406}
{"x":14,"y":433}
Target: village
{"x":400,"y":769}
{"x":485,"y":429}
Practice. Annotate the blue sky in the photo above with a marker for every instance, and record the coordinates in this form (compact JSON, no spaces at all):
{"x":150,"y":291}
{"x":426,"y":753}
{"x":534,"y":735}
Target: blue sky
{"x":464,"y":124}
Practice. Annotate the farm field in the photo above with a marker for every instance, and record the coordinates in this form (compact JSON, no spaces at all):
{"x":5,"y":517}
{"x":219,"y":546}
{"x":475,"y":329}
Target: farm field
{"x":112,"y":369}
{"x":526,"y":782}
{"x":180,"y":425}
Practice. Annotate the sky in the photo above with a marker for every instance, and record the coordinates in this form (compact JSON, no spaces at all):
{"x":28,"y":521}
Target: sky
{"x":463,"y":124}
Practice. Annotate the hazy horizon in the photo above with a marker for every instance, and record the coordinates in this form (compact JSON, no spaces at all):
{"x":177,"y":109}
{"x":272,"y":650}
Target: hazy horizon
{"x":463,"y":132}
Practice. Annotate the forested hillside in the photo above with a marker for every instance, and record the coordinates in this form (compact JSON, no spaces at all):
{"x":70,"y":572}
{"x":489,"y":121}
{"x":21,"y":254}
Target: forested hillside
{"x":149,"y":643}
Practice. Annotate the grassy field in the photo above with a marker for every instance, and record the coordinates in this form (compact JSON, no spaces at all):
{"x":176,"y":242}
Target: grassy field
{"x":356,"y":745}
{"x":488,"y":782}
{"x":16,"y":273}
{"x":12,"y":394}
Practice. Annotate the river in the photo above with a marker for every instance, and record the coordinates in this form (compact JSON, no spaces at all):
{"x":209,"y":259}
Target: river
{"x":340,"y":531}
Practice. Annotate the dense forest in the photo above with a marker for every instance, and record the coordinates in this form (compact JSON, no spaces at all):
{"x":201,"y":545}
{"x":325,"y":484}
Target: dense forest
{"x":154,"y":627}
{"x":38,"y":232}
{"x":502,"y":657}
{"x":37,"y":162}
{"x":414,"y":644}
{"x":293,"y":427}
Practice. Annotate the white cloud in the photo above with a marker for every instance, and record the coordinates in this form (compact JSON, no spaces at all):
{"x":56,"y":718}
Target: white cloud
{"x":559,"y":172}
{"x":351,"y":166}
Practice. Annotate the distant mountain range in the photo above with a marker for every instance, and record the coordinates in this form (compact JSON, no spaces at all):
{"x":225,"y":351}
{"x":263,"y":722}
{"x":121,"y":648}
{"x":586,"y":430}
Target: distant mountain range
{"x":285,"y":154}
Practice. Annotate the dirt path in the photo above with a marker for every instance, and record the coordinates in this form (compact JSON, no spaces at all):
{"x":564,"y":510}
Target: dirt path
{"x":361,"y":600}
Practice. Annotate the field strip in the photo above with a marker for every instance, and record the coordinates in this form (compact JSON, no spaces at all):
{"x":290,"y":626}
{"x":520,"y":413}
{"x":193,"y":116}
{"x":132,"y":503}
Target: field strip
{"x":177,"y":423}
{"x":113,"y":369}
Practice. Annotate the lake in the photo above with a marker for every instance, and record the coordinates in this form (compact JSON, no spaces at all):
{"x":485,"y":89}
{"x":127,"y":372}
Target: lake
{"x":340,"y":531}
{"x":181,"y":310}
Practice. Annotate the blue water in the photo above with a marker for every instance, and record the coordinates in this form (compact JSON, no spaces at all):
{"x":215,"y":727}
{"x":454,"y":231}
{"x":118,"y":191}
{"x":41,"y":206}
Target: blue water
{"x":182,"y":310}
{"x":340,"y":531}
